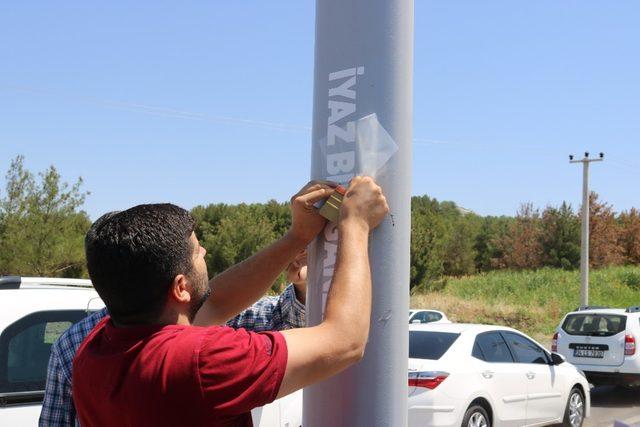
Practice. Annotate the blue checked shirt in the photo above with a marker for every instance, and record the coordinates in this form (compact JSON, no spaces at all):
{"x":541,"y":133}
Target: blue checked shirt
{"x":268,"y":314}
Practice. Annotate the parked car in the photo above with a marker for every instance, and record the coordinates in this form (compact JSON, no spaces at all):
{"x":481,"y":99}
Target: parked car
{"x":482,"y":376}
{"x":427,"y":316}
{"x":34,"y":312}
{"x":602,"y":342}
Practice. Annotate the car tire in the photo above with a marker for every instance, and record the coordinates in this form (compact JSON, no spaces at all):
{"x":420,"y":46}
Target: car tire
{"x":476,"y":416}
{"x":574,"y":411}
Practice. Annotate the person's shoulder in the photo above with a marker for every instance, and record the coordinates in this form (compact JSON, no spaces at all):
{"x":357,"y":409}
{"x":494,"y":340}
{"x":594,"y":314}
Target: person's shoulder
{"x":183,"y":335}
{"x":223,"y":338}
{"x":213,"y":331}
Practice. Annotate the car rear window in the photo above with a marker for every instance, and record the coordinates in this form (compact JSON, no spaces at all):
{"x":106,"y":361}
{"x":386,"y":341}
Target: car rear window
{"x":594,"y":324}
{"x":430,"y":345}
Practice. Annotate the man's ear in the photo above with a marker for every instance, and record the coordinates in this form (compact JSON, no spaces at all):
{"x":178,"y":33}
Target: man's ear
{"x":179,"y":289}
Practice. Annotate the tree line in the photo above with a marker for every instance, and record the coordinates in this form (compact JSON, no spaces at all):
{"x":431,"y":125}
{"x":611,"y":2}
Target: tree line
{"x":42,"y":227}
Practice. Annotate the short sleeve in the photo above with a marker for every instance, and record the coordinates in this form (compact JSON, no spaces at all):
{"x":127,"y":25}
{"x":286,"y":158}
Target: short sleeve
{"x":240,"y":370}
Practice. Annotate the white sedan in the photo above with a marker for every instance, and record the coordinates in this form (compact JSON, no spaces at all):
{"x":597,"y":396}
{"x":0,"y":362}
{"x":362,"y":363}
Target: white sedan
{"x":427,"y":316}
{"x":482,"y":376}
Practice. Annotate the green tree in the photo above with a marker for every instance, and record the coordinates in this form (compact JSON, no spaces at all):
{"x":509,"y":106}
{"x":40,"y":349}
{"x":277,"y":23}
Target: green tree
{"x":428,"y":244}
{"x":560,"y":237}
{"x":235,"y":233}
{"x":279,"y":215}
{"x":489,"y":251}
{"x":461,"y":234}
{"x":41,"y":225}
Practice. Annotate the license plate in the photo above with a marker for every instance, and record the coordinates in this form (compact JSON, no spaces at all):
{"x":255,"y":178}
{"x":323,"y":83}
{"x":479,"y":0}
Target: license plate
{"x":596,"y":354}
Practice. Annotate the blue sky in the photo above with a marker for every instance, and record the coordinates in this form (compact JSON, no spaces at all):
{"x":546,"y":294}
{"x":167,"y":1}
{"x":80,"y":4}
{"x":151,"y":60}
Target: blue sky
{"x":201,"y":102}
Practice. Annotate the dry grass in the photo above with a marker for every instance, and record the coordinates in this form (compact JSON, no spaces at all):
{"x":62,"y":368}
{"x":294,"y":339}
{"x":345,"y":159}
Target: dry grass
{"x":530,"y":320}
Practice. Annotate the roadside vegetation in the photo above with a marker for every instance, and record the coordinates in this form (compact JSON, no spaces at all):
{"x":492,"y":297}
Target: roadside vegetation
{"x":532,"y":301}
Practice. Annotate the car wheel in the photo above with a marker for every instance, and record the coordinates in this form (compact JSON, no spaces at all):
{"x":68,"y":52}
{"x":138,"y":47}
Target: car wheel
{"x":574,"y":412}
{"x":476,"y":416}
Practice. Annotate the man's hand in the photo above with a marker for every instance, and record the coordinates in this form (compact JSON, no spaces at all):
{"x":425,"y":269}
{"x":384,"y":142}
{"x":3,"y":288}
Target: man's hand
{"x":243,"y":284}
{"x":364,"y":203}
{"x":318,"y":352}
{"x":306,"y":222}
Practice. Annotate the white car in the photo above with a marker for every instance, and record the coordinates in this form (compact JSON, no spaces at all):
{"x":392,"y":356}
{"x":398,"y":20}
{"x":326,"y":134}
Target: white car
{"x":427,"y":316}
{"x":34,"y":312}
{"x":481,"y":376}
{"x":603,"y":343}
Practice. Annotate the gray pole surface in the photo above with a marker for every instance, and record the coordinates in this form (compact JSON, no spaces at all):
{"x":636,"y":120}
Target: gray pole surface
{"x":362,"y":124}
{"x":584,"y":243}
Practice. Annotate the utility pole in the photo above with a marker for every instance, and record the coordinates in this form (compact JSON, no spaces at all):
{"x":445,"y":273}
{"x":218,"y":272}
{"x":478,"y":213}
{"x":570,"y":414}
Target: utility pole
{"x":584,"y":244}
{"x":362,"y":124}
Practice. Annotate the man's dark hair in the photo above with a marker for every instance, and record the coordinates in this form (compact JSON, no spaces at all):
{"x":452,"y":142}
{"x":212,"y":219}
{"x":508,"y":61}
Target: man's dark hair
{"x":134,"y":255}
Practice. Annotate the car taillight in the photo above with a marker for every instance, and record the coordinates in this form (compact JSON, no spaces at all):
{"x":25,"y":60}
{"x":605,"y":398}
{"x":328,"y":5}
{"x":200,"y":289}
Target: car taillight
{"x":429,"y":379}
{"x":554,"y":343}
{"x":629,"y":345}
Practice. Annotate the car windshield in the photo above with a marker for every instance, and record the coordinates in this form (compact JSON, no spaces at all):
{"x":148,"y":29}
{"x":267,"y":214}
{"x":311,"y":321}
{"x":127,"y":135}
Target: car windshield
{"x":594,"y":324}
{"x":430,"y":345}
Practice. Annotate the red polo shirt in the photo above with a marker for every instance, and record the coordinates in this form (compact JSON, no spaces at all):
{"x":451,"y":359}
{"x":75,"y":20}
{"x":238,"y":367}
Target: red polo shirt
{"x":175,"y":375}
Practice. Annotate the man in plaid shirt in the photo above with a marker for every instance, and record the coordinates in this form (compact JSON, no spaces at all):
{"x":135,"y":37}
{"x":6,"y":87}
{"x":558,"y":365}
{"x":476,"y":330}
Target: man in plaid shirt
{"x":285,"y":311}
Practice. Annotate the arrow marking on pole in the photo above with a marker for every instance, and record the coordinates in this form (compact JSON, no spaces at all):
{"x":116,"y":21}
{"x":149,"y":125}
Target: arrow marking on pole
{"x":375,"y":147}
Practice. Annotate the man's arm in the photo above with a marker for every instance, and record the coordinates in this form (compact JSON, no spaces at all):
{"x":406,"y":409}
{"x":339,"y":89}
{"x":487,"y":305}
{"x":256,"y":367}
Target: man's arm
{"x":241,"y":285}
{"x":57,"y":406}
{"x":339,"y":341}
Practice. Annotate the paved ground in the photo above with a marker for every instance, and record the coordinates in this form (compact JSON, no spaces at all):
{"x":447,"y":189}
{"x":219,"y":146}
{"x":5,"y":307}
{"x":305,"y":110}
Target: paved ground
{"x":609,"y":404}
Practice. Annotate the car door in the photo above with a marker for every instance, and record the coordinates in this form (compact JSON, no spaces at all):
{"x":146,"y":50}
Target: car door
{"x":502,"y":378}
{"x":544,"y":385}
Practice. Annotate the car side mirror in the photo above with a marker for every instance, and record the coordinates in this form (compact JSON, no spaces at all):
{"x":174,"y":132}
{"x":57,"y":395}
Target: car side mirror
{"x":557,"y":359}
{"x":416,"y":321}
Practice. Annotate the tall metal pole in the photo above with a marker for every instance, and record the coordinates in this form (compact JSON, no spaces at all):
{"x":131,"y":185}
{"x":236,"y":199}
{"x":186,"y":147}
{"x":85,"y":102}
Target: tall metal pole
{"x":362,"y":123}
{"x":584,"y":243}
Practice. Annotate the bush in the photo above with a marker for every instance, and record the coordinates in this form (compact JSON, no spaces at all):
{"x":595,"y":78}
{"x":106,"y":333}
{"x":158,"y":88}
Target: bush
{"x":630,"y":279}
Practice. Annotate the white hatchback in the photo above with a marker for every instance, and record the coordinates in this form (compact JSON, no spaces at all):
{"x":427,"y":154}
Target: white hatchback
{"x":602,"y":342}
{"x":481,"y":376}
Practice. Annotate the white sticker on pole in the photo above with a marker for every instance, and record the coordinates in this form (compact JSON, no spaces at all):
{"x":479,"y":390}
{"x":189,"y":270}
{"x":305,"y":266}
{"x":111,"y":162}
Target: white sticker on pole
{"x":374,"y":146}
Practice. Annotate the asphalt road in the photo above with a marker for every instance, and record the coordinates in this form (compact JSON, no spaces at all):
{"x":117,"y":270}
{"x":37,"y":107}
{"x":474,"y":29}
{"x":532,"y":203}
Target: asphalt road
{"x":610,"y":404}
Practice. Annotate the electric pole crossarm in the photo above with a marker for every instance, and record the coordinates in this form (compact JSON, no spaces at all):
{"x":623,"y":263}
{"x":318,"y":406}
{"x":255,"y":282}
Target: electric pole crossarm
{"x":586,"y":160}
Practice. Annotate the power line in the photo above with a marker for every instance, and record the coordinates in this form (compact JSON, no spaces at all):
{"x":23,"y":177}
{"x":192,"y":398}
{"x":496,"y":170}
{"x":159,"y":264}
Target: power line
{"x":182,"y":114}
{"x":162,"y":111}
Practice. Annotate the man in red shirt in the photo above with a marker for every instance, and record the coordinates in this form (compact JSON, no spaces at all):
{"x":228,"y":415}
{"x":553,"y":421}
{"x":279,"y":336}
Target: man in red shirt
{"x":149,"y":364}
